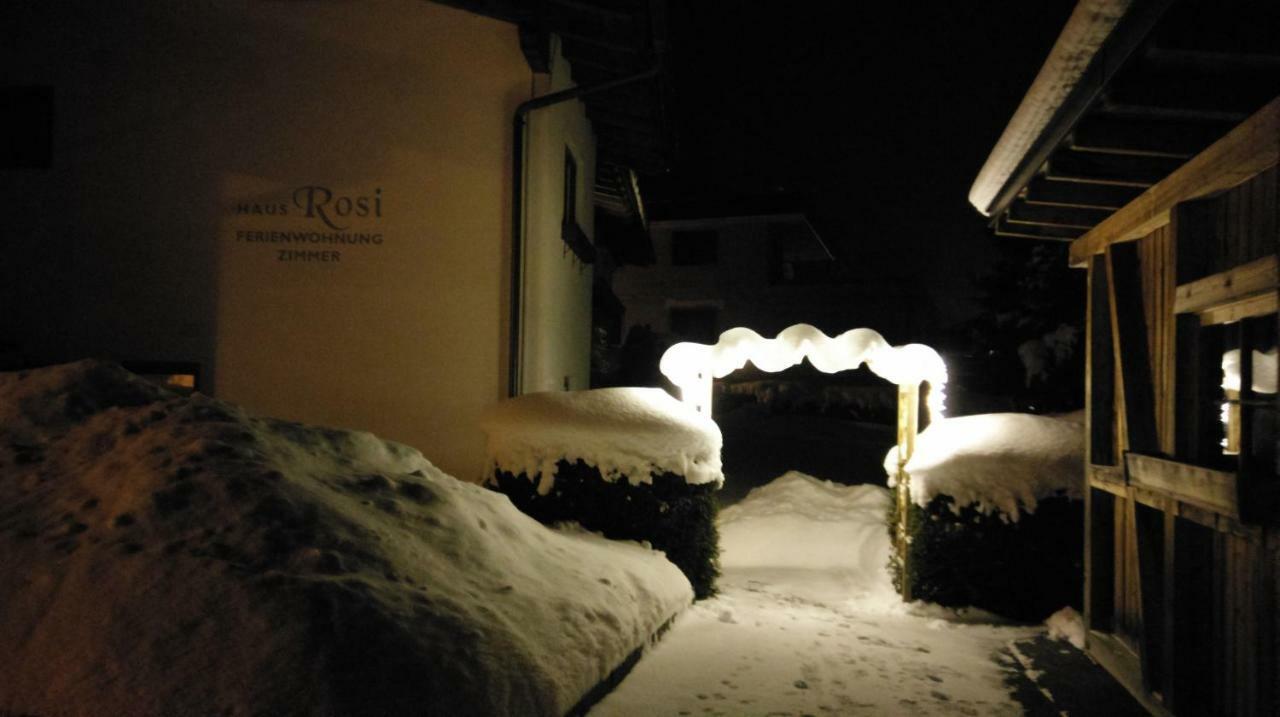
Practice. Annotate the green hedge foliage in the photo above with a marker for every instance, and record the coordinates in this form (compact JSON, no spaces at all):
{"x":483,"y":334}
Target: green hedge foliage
{"x":1025,"y":570}
{"x":670,"y":514}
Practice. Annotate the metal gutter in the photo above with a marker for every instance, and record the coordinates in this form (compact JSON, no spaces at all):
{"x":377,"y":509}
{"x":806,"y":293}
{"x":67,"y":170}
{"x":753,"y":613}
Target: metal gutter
{"x":1098,"y":38}
{"x":515,"y":379}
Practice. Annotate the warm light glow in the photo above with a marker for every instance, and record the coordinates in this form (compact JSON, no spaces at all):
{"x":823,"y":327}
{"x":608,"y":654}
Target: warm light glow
{"x":1264,"y":381}
{"x":692,"y":366}
{"x":181,"y":380}
{"x":1264,"y":370}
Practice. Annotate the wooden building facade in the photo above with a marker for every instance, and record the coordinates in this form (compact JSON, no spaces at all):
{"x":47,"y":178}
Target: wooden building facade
{"x":1158,"y":162}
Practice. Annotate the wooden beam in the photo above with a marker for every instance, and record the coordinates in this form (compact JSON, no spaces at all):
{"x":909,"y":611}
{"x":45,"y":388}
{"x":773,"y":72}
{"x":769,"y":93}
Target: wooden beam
{"x":1129,"y":334}
{"x":1112,"y":169}
{"x":1100,"y":377}
{"x":1004,"y":228}
{"x":1202,"y":487}
{"x":1259,"y":305}
{"x":1217,"y":522}
{"x":1116,"y":659}
{"x":1028,"y":157}
{"x":1073,"y":217}
{"x":1143,"y":108}
{"x":1234,"y":285}
{"x":1124,"y":135}
{"x":1244,"y":152}
{"x":1042,"y":190}
{"x":1108,"y":478}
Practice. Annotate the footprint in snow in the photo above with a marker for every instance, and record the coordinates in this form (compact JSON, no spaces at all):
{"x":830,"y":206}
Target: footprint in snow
{"x":878,"y":642}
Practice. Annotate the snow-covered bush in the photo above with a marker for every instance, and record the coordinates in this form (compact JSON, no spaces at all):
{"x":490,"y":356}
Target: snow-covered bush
{"x":630,"y":463}
{"x":996,"y":518}
{"x":1024,"y":570}
{"x":671,"y":515}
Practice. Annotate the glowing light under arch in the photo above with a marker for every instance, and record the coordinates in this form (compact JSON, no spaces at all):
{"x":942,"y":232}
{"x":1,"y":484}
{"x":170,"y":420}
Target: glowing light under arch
{"x":692,"y":367}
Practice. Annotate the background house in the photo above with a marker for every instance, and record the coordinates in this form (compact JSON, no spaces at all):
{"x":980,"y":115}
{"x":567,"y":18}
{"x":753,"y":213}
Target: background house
{"x":1150,"y":140}
{"x":310,"y":205}
{"x":768,"y":271}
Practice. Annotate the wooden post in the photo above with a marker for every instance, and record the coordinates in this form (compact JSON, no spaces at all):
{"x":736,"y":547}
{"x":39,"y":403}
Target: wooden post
{"x":699,"y":395}
{"x":908,"y":424}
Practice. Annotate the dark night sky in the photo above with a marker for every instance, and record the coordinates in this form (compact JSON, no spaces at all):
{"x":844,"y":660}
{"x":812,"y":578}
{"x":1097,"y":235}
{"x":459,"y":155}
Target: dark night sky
{"x":880,"y":113}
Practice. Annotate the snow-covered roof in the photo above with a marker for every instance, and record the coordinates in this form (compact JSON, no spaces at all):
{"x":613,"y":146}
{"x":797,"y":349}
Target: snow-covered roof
{"x":631,"y":432}
{"x":1090,"y":24}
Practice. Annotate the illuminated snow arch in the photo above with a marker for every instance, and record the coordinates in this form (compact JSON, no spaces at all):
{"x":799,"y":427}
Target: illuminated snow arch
{"x":692,"y":367}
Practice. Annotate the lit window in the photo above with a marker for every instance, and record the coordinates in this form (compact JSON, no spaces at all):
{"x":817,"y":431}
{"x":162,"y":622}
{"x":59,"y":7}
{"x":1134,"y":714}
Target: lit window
{"x":1249,"y":416}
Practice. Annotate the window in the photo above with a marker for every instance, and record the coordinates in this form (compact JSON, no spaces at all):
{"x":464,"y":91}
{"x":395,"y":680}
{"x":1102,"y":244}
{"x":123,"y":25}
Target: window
{"x":1249,"y":407}
{"x":694,"y":247}
{"x":1227,"y":375}
{"x":182,"y":377}
{"x":700,"y":324}
{"x":570,"y":188}
{"x":574,"y":238}
{"x":796,"y":256}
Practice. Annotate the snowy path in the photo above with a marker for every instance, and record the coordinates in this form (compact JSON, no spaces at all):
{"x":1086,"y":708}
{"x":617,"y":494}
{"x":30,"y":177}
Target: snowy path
{"x":830,"y":640}
{"x":786,"y":643}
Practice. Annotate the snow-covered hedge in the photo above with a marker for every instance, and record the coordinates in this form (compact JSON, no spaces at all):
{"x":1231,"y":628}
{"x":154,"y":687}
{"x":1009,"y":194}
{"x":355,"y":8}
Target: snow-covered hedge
{"x":997,"y":518}
{"x":630,"y":463}
{"x":173,"y":555}
{"x":1024,"y":570}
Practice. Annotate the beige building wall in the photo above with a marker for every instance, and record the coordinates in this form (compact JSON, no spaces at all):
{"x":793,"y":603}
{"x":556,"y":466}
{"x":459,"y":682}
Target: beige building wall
{"x":310,"y":199}
{"x":557,"y":301}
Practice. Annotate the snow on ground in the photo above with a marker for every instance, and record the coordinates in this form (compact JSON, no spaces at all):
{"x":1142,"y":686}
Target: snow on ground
{"x":632,"y":432}
{"x":170,"y":555}
{"x":801,"y":522}
{"x":1067,"y":624}
{"x":1003,"y":462}
{"x":804,"y":624}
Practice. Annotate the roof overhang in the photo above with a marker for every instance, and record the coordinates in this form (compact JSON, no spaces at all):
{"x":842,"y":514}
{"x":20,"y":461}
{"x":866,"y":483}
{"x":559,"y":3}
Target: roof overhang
{"x":1130,"y":91}
{"x":603,"y":41}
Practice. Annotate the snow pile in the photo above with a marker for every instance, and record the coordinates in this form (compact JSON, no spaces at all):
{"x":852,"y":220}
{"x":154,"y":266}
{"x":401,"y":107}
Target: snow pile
{"x":798,"y":521}
{"x":632,"y":432}
{"x":1066,"y":624}
{"x":1004,"y":462}
{"x":171,"y":555}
